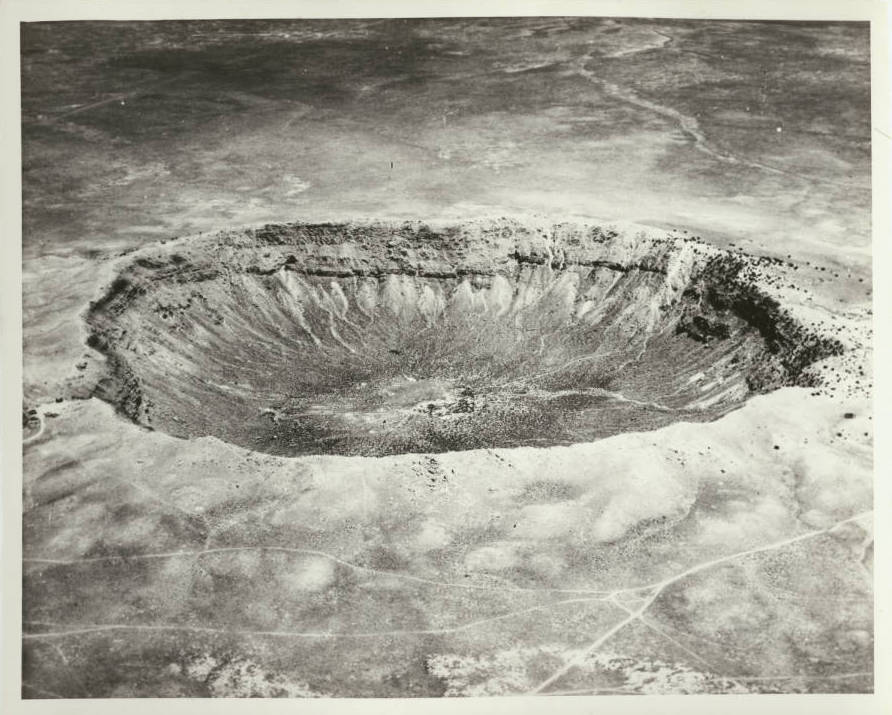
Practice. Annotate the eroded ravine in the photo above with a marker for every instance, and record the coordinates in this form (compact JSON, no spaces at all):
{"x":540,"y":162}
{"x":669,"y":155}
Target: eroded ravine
{"x":386,"y":338}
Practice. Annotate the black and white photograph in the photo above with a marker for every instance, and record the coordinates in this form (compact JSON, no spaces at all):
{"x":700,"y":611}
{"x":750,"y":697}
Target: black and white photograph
{"x":450,"y":356}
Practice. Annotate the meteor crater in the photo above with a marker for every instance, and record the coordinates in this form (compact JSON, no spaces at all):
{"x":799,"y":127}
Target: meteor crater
{"x":385,"y":337}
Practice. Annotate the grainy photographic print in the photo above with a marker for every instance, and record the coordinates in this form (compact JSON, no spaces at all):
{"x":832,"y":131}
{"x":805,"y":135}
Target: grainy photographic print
{"x":446,"y":357}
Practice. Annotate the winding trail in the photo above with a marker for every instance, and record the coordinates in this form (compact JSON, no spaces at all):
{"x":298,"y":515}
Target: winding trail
{"x":690,"y":127}
{"x":654,"y":590}
{"x":100,"y":627}
{"x":308,"y":552}
{"x":681,"y":646}
{"x":660,"y":586}
{"x":145,"y":87}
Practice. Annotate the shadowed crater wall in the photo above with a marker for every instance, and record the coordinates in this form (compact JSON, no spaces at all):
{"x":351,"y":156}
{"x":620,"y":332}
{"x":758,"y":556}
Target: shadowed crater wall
{"x":385,"y":338}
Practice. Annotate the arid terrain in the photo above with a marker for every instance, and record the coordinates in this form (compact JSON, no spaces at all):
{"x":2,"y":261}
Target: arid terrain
{"x":446,"y":357}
